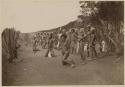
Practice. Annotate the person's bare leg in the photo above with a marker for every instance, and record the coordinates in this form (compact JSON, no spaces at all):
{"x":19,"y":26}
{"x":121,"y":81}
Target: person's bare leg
{"x":47,"y":52}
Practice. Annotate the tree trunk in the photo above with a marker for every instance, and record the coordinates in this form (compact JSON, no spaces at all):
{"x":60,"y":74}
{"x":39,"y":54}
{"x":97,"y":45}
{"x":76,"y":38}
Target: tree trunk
{"x":115,"y":41}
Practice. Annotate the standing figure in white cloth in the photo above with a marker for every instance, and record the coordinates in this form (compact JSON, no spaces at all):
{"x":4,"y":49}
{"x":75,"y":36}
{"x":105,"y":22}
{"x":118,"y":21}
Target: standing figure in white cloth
{"x":103,"y":46}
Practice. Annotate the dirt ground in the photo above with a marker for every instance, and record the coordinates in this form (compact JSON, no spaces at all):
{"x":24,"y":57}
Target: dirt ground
{"x":35,"y":70}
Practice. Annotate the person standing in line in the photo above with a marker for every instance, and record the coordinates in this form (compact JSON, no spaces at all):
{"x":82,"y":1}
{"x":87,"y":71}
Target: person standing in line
{"x":58,"y":37}
{"x":44,"y":41}
{"x":93,"y":43}
{"x":77,"y":43}
{"x":50,"y":52}
{"x":73,"y":37}
{"x":34,"y":44}
{"x":89,"y":40}
{"x":41,"y":38}
{"x":82,"y":51}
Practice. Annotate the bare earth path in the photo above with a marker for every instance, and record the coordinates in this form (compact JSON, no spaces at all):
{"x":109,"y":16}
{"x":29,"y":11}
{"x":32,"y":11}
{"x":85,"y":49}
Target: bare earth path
{"x":38,"y":70}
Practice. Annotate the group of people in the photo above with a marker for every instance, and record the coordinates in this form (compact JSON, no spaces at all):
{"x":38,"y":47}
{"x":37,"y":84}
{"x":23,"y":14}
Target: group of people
{"x":43,"y":38}
{"x":83,"y":42}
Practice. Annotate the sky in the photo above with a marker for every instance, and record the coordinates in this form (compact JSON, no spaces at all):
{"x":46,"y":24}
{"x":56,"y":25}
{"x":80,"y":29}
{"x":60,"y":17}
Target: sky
{"x":37,"y":15}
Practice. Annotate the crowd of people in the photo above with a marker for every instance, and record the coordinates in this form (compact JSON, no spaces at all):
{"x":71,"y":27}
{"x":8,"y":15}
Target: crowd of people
{"x":83,"y":42}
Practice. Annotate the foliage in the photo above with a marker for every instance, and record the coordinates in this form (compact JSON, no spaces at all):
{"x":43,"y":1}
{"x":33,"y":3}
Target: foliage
{"x":107,"y":16}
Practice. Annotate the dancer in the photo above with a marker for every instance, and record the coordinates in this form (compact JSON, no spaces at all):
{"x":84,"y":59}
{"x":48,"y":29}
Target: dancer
{"x":66,"y":51}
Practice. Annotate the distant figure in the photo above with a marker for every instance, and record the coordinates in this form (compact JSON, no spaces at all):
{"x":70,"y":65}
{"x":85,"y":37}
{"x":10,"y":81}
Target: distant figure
{"x":34,"y":45}
{"x":50,"y":51}
{"x":103,"y":46}
{"x":59,"y":42}
{"x":98,"y":48}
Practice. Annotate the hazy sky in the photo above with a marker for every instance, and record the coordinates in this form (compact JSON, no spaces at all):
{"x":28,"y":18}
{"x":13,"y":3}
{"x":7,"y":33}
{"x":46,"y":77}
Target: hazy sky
{"x":35,"y":15}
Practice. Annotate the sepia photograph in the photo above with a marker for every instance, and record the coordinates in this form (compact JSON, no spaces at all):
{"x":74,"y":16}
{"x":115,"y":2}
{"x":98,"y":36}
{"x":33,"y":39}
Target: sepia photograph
{"x":62,"y":42}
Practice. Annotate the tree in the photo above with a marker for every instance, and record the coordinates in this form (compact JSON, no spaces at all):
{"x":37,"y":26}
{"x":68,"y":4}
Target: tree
{"x":108,"y":17}
{"x":111,"y":16}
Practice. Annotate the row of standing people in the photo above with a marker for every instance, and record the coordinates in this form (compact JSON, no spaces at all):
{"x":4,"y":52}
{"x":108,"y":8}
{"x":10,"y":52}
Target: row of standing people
{"x":41,"y":39}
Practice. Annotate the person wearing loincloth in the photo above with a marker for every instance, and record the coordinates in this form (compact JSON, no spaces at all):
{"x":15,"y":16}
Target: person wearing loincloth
{"x":50,"y":47}
{"x":66,"y":51}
